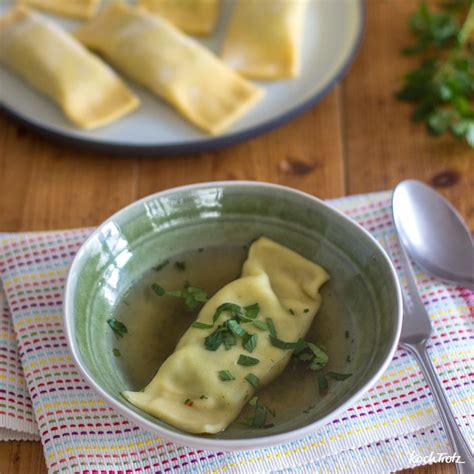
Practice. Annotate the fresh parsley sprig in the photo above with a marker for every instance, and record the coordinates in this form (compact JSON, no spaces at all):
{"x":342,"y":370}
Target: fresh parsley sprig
{"x":442,"y":87}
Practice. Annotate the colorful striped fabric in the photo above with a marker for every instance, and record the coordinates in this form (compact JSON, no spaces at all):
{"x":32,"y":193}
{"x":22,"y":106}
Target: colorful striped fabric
{"x":395,"y":425}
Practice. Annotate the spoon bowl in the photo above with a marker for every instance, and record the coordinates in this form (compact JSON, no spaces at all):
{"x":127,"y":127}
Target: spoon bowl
{"x":433,"y":233}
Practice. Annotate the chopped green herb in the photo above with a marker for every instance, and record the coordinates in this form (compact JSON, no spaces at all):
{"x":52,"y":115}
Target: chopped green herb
{"x":235,"y":310}
{"x":214,"y":340}
{"x":117,"y":327}
{"x":252,"y":311}
{"x":271,"y":327}
{"x":229,"y":340}
{"x":260,"y":325}
{"x":180,"y":265}
{"x":192,"y":296}
{"x":291,"y":311}
{"x":253,"y":380}
{"x":199,"y":325}
{"x":247,"y":360}
{"x":116,"y":352}
{"x":322,"y":383}
{"x":338,"y":376}
{"x":161,"y":265}
{"x":286,"y":345}
{"x":203,"y":397}
{"x":249,"y":342}
{"x":225,"y":375}
{"x":320,"y":357}
{"x":306,"y":310}
{"x":188,"y":402}
{"x":260,"y":415}
{"x":236,"y":328}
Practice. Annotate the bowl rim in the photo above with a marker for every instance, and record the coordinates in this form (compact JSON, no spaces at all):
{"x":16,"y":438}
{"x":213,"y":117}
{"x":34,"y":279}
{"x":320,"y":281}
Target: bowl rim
{"x":197,"y":441}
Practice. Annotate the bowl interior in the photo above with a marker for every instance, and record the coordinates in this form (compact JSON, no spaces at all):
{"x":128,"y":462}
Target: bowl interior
{"x":357,"y":322}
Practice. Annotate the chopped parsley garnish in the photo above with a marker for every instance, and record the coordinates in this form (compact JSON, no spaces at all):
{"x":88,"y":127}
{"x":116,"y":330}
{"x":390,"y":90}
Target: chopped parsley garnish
{"x":161,"y":265}
{"x":235,"y":311}
{"x":203,"y":397}
{"x":297,"y":346}
{"x":291,"y":311}
{"x":338,"y":376}
{"x":193,"y":296}
{"x":247,"y":360}
{"x":260,"y":325}
{"x":117,"y":327}
{"x":251,"y":312}
{"x":253,"y":380}
{"x":306,"y":310}
{"x":188,"y":402}
{"x":322,"y":383}
{"x":225,"y":375}
{"x":199,"y":325}
{"x":236,"y":328}
{"x":249,"y":342}
{"x":116,"y":352}
{"x":259,"y":418}
{"x":214,"y":340}
{"x":180,"y":265}
{"x":271,"y":327}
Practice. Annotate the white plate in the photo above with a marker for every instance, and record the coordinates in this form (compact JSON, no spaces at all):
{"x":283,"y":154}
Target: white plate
{"x":333,"y":29}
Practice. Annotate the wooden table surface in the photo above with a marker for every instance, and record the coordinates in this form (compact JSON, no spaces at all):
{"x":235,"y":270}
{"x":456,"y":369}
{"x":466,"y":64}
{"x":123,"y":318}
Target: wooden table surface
{"x":356,"y":140}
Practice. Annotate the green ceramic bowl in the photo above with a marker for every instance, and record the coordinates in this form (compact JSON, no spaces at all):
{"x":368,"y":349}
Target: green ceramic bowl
{"x":363,"y":293}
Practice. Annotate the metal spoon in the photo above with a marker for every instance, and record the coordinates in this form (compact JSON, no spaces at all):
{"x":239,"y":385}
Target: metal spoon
{"x":433,"y":233}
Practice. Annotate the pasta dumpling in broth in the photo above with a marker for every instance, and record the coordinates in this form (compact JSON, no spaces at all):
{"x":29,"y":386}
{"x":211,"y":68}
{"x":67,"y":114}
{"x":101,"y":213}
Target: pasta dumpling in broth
{"x":192,"y":16}
{"x":284,"y":285}
{"x":155,"y":54}
{"x":88,"y":91}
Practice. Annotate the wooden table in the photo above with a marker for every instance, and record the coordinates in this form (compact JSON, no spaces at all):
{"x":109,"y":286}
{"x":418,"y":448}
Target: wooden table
{"x":358,"y":139}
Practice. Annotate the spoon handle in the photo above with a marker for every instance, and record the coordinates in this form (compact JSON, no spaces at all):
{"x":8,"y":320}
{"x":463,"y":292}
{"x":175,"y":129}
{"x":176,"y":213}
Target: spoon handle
{"x":465,"y":464}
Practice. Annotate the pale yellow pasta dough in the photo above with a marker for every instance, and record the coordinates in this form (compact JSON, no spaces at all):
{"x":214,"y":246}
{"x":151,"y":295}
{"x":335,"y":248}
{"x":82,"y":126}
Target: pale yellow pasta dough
{"x":151,"y":51}
{"x":263,"y":39}
{"x":74,"y":8}
{"x":88,"y":91}
{"x":276,"y":278}
{"x":196,"y":17}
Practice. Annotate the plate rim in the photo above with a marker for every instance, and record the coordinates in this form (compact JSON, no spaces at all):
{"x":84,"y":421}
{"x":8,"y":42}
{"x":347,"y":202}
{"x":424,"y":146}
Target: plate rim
{"x":195,"y":146}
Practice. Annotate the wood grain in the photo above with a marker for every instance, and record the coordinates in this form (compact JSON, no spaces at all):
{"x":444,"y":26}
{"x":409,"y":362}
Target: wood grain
{"x":358,"y":139}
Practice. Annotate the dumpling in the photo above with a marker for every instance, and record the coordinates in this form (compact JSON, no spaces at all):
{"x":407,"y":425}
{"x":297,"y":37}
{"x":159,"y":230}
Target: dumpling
{"x":53,"y":62}
{"x":263,"y":39}
{"x":74,"y":8}
{"x":155,"y":54}
{"x":286,"y":287}
{"x":196,"y":17}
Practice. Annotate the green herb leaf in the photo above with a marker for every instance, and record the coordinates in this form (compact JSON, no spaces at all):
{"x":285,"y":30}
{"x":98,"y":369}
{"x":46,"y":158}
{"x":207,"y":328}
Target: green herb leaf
{"x":116,"y":352}
{"x":160,"y":291}
{"x":229,"y":340}
{"x":252,"y":311}
{"x":253,"y":380}
{"x":283,"y":344}
{"x":338,"y":376}
{"x":260,"y":325}
{"x":260,"y":415}
{"x":249,"y":342}
{"x":320,"y":357}
{"x":236,"y":328}
{"x":322,"y":383}
{"x":235,"y":310}
{"x":291,"y":312}
{"x":161,"y":265}
{"x":199,"y":325}
{"x":225,"y":375}
{"x":247,"y":360}
{"x":203,"y":397}
{"x":188,"y":402}
{"x":214,"y":340}
{"x":306,"y":310}
{"x":192,"y":296}
{"x":271,"y":327}
{"x":117,"y":327}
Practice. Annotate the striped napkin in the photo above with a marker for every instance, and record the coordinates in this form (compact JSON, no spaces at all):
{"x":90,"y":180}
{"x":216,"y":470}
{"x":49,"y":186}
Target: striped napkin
{"x":42,"y":395}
